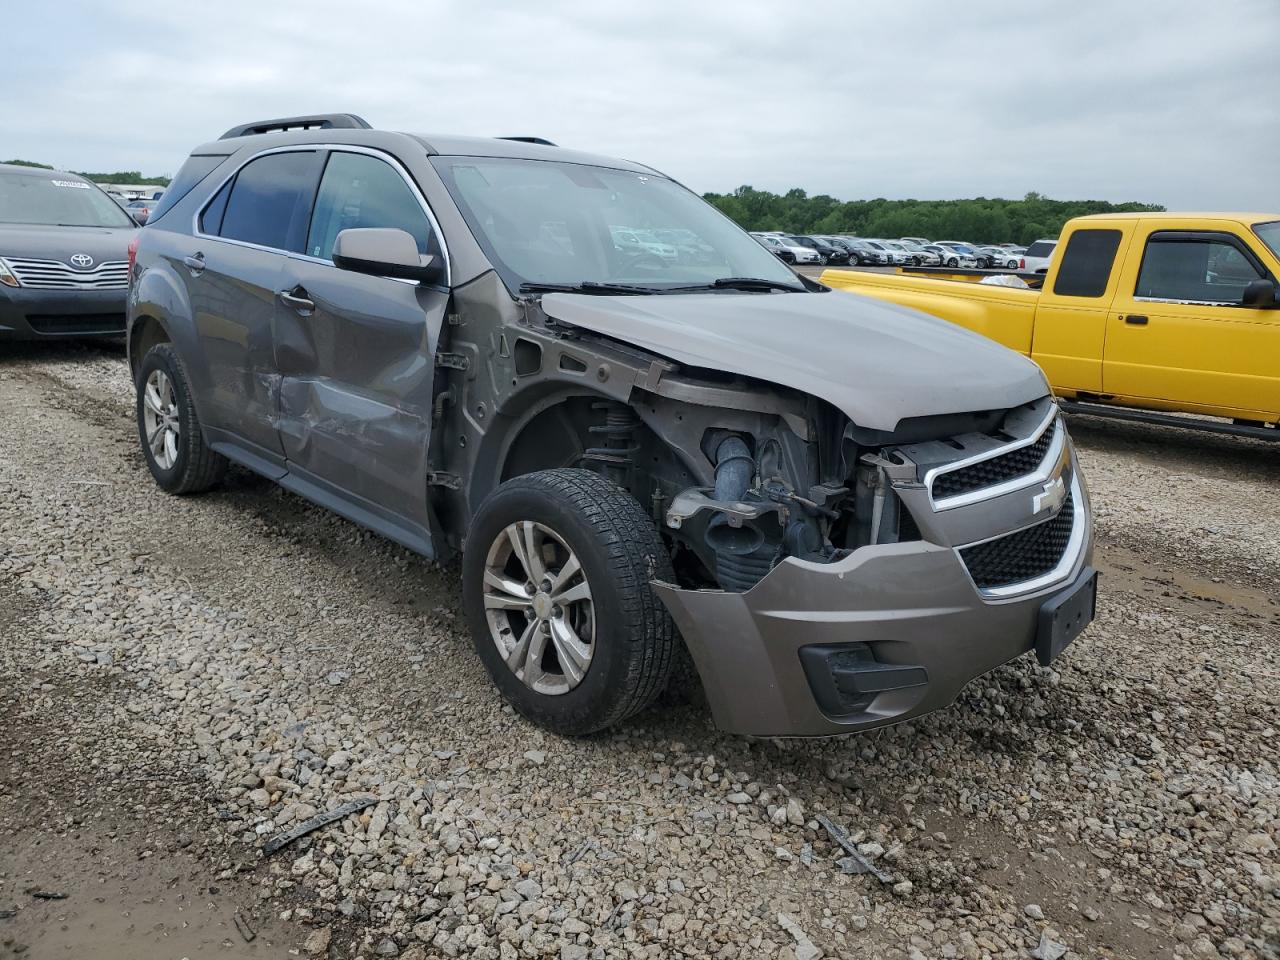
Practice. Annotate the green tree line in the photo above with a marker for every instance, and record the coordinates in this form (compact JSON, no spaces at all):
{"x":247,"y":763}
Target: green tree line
{"x":981,"y":220}
{"x":120,"y":176}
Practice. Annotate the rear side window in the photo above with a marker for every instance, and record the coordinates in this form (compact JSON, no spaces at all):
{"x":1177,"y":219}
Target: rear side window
{"x":1086,"y":264}
{"x":270,"y":200}
{"x":1195,"y":268}
{"x":358,"y":190}
{"x":193,"y":171}
{"x":1041,"y":248}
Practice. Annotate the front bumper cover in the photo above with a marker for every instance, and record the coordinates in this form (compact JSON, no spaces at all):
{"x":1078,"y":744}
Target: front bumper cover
{"x":910,"y":605}
{"x":33,"y":314}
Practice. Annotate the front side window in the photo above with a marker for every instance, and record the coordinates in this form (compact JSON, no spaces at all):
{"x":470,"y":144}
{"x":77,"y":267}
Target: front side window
{"x":1194,"y":268}
{"x":50,"y":198}
{"x":270,"y":199}
{"x":1269,"y":233}
{"x":545,"y":222}
{"x":1086,"y":263}
{"x":358,"y":190}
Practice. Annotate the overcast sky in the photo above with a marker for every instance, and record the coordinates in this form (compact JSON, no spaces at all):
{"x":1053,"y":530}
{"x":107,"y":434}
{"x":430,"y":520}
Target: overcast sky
{"x":1167,"y":101}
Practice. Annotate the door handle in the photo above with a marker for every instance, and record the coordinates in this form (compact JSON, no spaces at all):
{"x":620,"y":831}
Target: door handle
{"x":300,"y":304}
{"x":1136,"y":319}
{"x":194,"y":263}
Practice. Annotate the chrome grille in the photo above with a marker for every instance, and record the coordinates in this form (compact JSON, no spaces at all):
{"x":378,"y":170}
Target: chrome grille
{"x":994,"y":470}
{"x":56,"y":275}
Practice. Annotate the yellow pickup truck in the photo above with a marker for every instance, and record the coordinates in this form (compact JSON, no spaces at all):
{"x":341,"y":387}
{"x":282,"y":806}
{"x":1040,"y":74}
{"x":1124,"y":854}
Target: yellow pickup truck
{"x":1157,"y":311}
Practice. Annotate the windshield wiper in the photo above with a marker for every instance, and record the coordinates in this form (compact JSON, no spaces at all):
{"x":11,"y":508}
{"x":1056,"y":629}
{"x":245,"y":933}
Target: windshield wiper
{"x":745,"y":283}
{"x":587,"y":286}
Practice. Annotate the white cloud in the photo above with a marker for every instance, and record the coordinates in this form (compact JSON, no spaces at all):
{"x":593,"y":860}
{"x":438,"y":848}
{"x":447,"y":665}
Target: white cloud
{"x":1160,"y":100}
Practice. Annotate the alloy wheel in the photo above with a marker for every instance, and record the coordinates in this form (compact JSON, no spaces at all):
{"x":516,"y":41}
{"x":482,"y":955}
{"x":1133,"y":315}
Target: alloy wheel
{"x":160,"y":419}
{"x":539,"y":607}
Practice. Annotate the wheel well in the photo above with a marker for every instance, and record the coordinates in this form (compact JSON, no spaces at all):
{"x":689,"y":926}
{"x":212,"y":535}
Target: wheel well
{"x":568,"y":433}
{"x":145,"y":333}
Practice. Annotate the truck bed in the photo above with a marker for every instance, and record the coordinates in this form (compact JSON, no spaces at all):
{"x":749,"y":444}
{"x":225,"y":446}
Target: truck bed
{"x":1005,"y":314}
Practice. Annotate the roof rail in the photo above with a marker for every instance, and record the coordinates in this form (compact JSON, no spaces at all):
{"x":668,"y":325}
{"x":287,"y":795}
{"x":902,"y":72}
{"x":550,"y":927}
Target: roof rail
{"x":318,"y":121}
{"x":544,"y":142}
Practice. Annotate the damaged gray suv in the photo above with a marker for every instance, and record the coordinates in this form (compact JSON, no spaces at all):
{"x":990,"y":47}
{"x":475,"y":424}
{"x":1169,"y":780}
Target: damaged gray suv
{"x":634,"y":424}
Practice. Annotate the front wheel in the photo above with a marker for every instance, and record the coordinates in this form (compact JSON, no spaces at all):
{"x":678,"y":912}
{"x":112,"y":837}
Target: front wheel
{"x":953,"y":262}
{"x":555,"y":579}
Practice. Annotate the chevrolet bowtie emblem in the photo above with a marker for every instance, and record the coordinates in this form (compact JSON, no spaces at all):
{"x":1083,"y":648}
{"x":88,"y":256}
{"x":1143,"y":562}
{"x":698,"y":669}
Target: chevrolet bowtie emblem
{"x":1052,"y":497}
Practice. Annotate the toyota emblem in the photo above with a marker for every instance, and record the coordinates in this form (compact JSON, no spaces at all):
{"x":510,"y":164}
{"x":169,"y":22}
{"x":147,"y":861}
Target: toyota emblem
{"x":82,"y":260}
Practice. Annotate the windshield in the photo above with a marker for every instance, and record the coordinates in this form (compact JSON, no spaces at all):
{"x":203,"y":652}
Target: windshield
{"x":1269,"y":233}
{"x":549,"y":222}
{"x":57,"y":200}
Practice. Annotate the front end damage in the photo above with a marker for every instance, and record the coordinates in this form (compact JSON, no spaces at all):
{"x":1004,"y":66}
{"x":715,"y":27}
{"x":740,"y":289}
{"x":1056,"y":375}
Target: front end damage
{"x":856,"y":578}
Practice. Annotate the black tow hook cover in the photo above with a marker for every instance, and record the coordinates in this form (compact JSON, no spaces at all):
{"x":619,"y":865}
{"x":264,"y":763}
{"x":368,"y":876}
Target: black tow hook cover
{"x":846,"y":677}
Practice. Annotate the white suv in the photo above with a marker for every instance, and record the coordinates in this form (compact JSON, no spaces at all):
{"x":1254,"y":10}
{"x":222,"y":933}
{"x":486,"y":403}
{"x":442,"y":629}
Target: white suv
{"x":1038,"y":255}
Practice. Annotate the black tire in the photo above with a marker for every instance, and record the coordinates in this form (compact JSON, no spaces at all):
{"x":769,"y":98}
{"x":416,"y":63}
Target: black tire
{"x":196,"y":468}
{"x":953,"y":262}
{"x":620,"y":552}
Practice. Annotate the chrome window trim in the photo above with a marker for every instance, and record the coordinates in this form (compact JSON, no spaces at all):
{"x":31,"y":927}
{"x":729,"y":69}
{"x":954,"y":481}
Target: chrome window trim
{"x":1191,"y":303}
{"x":382,"y":155}
{"x":1041,"y":473}
{"x":1070,"y":554}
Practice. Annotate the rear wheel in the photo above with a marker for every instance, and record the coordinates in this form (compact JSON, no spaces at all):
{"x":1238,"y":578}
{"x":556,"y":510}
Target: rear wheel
{"x":172,"y":440}
{"x":953,"y":262}
{"x":556,"y":576}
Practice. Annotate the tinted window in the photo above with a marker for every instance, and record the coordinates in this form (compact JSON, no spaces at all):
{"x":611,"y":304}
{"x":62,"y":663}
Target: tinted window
{"x":193,"y":171}
{"x":1086,"y":264}
{"x":1195,"y":268}
{"x":211,"y":219}
{"x":270,"y":200}
{"x":362,"y":191}
{"x":1041,"y":248}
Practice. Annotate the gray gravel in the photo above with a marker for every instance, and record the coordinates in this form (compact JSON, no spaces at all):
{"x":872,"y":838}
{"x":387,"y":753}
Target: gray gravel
{"x":1125,"y":804}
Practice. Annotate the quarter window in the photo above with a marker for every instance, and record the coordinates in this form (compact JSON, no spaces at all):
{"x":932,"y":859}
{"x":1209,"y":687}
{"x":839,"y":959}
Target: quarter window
{"x":270,"y":200}
{"x":358,"y":190}
{"x":211,"y":219}
{"x":1086,"y":264}
{"x":1195,"y":268}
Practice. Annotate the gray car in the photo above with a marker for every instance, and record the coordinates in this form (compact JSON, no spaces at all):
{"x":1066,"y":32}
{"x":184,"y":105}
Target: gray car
{"x":63,"y":256}
{"x":844,"y":509}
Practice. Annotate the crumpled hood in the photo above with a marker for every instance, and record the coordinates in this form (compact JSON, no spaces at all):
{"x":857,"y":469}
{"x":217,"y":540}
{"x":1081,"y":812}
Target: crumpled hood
{"x":877,"y":362}
{"x":36,"y":242}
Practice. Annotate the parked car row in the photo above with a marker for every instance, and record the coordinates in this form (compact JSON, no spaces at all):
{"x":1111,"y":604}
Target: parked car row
{"x":906,"y":251}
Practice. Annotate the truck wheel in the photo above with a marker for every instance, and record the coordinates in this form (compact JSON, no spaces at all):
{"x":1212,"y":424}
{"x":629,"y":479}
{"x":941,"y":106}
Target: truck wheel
{"x":169,"y":428}
{"x":555,"y":580}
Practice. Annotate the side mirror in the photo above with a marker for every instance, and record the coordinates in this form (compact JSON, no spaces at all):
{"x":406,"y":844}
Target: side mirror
{"x":1259,"y":293}
{"x":384,"y":252}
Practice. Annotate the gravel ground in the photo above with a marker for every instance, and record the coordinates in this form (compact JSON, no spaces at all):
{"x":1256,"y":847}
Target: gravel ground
{"x":185,"y":678}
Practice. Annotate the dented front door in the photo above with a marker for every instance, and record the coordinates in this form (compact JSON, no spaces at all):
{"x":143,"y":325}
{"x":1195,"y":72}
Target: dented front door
{"x":355,"y":356}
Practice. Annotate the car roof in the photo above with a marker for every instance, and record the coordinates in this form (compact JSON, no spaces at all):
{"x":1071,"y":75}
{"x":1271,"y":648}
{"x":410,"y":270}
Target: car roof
{"x":1237,"y":217}
{"x":36,"y":171}
{"x":445,"y":145}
